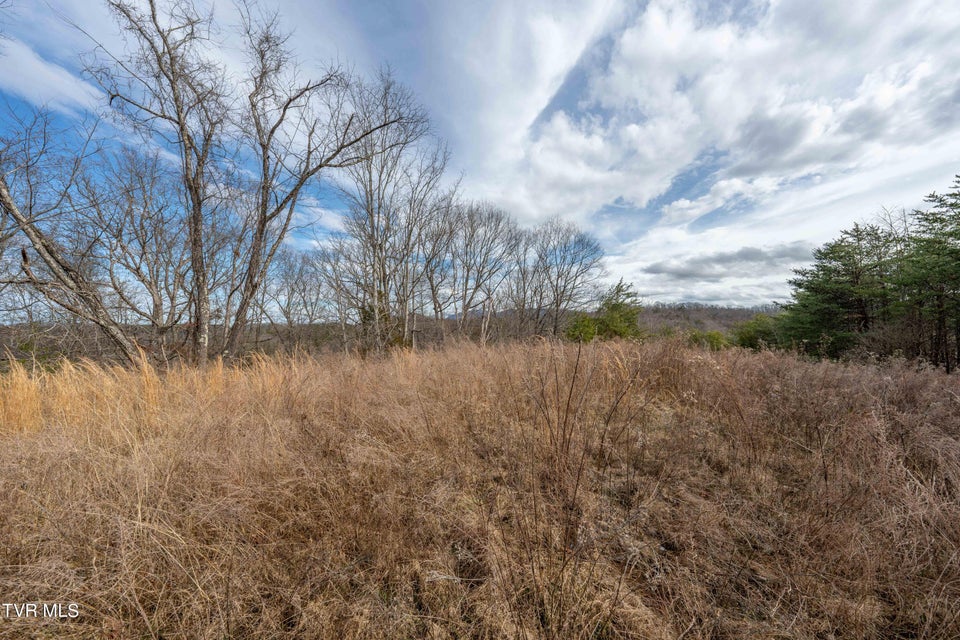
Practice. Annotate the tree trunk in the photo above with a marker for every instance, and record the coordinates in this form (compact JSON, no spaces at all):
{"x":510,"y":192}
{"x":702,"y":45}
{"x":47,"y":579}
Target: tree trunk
{"x":201,"y":292}
{"x":92,"y":306}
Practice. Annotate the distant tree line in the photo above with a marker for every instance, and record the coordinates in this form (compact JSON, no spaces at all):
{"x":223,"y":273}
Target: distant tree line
{"x":175,"y":241}
{"x":889,"y":287}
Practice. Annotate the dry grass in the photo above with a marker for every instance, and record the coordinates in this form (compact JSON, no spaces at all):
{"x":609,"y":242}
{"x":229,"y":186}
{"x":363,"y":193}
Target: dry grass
{"x":625,"y":491}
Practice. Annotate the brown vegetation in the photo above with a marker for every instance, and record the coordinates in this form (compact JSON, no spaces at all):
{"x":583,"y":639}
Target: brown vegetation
{"x":669,"y":318}
{"x":621,"y":491}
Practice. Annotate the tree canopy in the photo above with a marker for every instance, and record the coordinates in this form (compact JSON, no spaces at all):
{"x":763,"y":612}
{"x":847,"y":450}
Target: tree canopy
{"x":888,"y":287}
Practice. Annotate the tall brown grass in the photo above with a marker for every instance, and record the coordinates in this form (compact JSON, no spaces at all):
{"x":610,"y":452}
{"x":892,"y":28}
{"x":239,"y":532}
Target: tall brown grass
{"x":527,"y":491}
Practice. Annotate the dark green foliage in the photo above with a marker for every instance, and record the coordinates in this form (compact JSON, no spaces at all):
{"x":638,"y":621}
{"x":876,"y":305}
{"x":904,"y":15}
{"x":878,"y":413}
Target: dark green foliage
{"x":842,"y":294}
{"x":712,"y":340}
{"x":890,"y":288}
{"x":616,"y":317}
{"x":757,"y":333}
{"x":618,"y":313}
{"x":582,"y":328}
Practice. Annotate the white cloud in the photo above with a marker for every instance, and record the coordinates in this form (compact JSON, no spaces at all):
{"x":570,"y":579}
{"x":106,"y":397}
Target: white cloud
{"x":504,"y":61}
{"x":814,"y":113}
{"x":812,"y":213}
{"x":682,"y":211}
{"x":824,"y":112}
{"x":50,"y":28}
{"x":311,"y":217}
{"x":42,"y":83}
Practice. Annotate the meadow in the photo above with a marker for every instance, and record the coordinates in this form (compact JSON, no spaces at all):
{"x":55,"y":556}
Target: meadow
{"x":532,"y":490}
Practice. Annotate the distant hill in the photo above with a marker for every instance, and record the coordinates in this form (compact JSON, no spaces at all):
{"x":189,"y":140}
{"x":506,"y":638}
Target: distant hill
{"x":658,"y":317}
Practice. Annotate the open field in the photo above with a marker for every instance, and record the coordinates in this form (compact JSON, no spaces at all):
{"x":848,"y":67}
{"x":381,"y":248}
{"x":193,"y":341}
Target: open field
{"x":532,"y":491}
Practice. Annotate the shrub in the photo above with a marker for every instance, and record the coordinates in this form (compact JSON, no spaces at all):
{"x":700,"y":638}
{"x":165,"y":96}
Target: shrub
{"x":616,"y":317}
{"x":713,"y":340}
{"x":756,"y":333}
{"x":582,"y":328}
{"x":619,"y":312}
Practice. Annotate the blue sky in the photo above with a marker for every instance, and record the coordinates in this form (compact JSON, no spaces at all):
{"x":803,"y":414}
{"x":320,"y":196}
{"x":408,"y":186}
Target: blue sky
{"x":710,"y":145}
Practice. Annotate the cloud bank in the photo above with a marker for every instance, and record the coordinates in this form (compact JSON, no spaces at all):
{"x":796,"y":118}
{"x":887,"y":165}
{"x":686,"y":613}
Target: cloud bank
{"x":710,"y":145}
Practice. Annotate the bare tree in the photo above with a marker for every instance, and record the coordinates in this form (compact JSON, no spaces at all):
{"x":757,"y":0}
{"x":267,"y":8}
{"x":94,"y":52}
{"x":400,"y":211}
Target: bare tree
{"x":413,"y":246}
{"x":525,"y":291}
{"x":438,"y":230}
{"x":479,"y":261}
{"x":373,"y":221}
{"x":389,"y":196}
{"x":297,"y":293}
{"x":170,"y":88}
{"x":43,"y":181}
{"x":341,"y":269}
{"x":297,"y":129}
{"x":184,"y":232}
{"x":275,"y":130}
{"x":128,"y":214}
{"x":571,"y":260}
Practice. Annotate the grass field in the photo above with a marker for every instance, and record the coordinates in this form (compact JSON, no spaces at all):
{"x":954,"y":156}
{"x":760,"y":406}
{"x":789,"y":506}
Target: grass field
{"x":524,"y":491}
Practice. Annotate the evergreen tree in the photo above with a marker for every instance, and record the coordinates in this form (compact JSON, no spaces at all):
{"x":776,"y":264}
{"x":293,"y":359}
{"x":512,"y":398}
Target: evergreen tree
{"x":887,"y":289}
{"x":617,"y":316}
{"x":933,"y":276}
{"x":842,"y":295}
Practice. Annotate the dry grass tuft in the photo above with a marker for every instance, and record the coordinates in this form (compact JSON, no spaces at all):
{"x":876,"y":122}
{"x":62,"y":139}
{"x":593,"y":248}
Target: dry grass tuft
{"x":531,"y":491}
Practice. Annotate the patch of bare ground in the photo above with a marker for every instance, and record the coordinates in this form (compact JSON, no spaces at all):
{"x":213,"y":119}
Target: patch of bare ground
{"x":528,"y":491}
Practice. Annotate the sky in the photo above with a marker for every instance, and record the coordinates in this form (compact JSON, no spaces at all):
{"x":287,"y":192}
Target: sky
{"x":710,"y":145}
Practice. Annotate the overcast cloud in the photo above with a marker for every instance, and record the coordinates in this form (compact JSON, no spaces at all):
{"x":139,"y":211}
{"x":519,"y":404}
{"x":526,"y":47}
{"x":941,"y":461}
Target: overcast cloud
{"x":710,"y":145}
